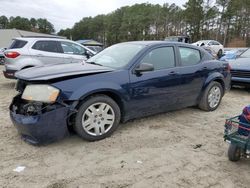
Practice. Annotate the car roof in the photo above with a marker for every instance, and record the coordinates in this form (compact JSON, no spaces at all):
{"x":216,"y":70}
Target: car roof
{"x":41,"y":38}
{"x":32,"y":39}
{"x":205,"y":41}
{"x":151,"y":43}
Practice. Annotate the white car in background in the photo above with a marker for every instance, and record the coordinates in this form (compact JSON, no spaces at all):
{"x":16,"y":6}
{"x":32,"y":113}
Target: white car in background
{"x":216,"y":48}
{"x":29,"y":52}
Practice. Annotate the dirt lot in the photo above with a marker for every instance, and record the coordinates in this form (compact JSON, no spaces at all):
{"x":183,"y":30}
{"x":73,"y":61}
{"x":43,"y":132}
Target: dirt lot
{"x":157,"y":151}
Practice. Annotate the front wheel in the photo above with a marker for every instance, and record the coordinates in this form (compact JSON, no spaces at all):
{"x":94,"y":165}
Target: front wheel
{"x":97,"y":118}
{"x":211,"y":97}
{"x":234,"y":153}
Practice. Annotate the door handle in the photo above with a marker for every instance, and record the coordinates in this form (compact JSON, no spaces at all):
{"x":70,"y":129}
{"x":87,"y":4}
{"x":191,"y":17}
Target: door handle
{"x":172,"y":73}
{"x":204,"y":68}
{"x":40,"y":55}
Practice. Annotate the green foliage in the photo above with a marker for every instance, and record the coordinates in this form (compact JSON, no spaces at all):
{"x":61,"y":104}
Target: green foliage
{"x":3,"y":22}
{"x":39,"y":25}
{"x":200,"y":19}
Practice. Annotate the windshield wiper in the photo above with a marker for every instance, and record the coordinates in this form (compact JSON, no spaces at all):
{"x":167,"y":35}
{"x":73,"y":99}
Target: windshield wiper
{"x":94,"y":63}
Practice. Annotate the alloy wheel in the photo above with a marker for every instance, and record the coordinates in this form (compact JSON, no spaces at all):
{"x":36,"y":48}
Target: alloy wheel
{"x":214,"y":96}
{"x":98,"y":119}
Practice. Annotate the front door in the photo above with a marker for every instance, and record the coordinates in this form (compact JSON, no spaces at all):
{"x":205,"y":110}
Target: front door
{"x":155,"y":91}
{"x":72,"y":52}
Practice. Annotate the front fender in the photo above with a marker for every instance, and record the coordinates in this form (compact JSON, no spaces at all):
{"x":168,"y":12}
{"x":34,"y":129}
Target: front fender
{"x":78,"y":88}
{"x":98,"y":87}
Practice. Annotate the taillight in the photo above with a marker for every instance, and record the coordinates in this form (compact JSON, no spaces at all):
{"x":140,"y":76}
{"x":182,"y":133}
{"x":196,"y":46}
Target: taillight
{"x":11,"y":54}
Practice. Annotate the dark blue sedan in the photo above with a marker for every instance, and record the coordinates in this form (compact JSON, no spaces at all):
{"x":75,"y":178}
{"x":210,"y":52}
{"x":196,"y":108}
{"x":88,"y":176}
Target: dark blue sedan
{"x":123,"y":82}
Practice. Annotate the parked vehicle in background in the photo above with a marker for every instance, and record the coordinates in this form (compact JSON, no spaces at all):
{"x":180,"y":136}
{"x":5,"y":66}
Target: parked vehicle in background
{"x":2,"y":55}
{"x":28,"y":52}
{"x":122,"y":82}
{"x":184,"y":39}
{"x":91,"y":44}
{"x":240,"y":69}
{"x":232,"y":54}
{"x":216,"y":48}
{"x":96,"y":49}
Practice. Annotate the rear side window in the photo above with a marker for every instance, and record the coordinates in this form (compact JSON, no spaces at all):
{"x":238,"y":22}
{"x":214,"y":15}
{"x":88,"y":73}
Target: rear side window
{"x":47,"y":46}
{"x":189,"y":56}
{"x":18,"y":44}
{"x":161,"y":58}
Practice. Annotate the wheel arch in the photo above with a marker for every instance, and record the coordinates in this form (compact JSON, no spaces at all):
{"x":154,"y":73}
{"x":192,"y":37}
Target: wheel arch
{"x":217,"y":77}
{"x":26,"y":67}
{"x":110,"y":93}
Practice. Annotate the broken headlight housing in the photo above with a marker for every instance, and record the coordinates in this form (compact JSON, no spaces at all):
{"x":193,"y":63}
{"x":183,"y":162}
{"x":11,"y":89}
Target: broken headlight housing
{"x":40,"y":92}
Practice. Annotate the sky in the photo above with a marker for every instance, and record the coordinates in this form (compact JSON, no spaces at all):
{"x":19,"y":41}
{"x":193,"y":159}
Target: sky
{"x":64,"y":13}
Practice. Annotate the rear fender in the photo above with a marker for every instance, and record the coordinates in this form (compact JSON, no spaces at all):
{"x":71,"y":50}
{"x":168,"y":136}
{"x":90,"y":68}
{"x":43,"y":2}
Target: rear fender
{"x":216,"y":76}
{"x":212,"y":77}
{"x":29,"y":62}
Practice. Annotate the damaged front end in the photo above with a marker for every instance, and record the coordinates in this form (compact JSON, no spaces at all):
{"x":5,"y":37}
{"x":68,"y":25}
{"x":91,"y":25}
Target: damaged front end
{"x":39,"y":122}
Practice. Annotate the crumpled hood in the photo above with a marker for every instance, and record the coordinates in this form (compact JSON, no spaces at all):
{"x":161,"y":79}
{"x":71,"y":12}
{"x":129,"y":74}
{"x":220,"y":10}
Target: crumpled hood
{"x":59,"y":71}
{"x":240,"y":64}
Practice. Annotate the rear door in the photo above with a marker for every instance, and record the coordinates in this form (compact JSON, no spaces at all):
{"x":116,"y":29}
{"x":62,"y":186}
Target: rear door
{"x":72,"y":52}
{"x":47,"y":52}
{"x":193,"y":73}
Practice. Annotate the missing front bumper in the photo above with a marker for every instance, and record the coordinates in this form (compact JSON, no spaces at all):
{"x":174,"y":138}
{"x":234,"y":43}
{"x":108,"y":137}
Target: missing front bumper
{"x":42,"y":128}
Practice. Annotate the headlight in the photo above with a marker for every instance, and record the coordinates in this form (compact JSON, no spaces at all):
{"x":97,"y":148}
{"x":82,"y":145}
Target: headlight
{"x":39,"y":92}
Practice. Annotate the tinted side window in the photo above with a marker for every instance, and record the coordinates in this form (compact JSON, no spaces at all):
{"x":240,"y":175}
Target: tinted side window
{"x":71,"y":48}
{"x":189,"y":56}
{"x":47,"y":46}
{"x":215,"y":43}
{"x":18,"y":44}
{"x":160,"y":58}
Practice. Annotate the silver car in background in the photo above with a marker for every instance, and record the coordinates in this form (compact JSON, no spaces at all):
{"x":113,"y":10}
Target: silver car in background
{"x":28,"y":52}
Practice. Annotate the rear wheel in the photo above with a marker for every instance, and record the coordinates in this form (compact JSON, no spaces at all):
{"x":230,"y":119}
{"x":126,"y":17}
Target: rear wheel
{"x":234,"y":153}
{"x":211,"y":97}
{"x":97,"y":118}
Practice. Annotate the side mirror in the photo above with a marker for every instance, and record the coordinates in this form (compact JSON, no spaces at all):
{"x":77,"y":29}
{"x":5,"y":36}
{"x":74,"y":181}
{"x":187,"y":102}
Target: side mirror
{"x":144,"y":67}
{"x":88,"y":54}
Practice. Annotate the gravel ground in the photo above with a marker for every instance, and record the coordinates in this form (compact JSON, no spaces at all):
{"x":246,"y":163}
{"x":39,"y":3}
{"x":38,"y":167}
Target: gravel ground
{"x":157,"y":151}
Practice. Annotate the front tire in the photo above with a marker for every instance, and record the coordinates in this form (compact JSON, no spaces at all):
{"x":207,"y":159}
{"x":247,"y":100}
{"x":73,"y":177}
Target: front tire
{"x":234,"y":153}
{"x":98,"y":117}
{"x":211,"y":97}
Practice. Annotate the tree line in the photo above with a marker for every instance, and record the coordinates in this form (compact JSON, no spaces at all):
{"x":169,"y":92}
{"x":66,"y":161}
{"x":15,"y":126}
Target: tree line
{"x":37,"y":25}
{"x":221,"y":20}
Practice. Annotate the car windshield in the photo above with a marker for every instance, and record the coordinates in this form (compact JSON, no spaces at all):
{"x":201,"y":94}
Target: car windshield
{"x":116,"y":56}
{"x":246,"y":53}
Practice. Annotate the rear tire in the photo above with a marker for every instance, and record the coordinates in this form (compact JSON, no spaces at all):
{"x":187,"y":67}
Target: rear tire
{"x":97,"y":118}
{"x":211,"y":97}
{"x":234,"y":153}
